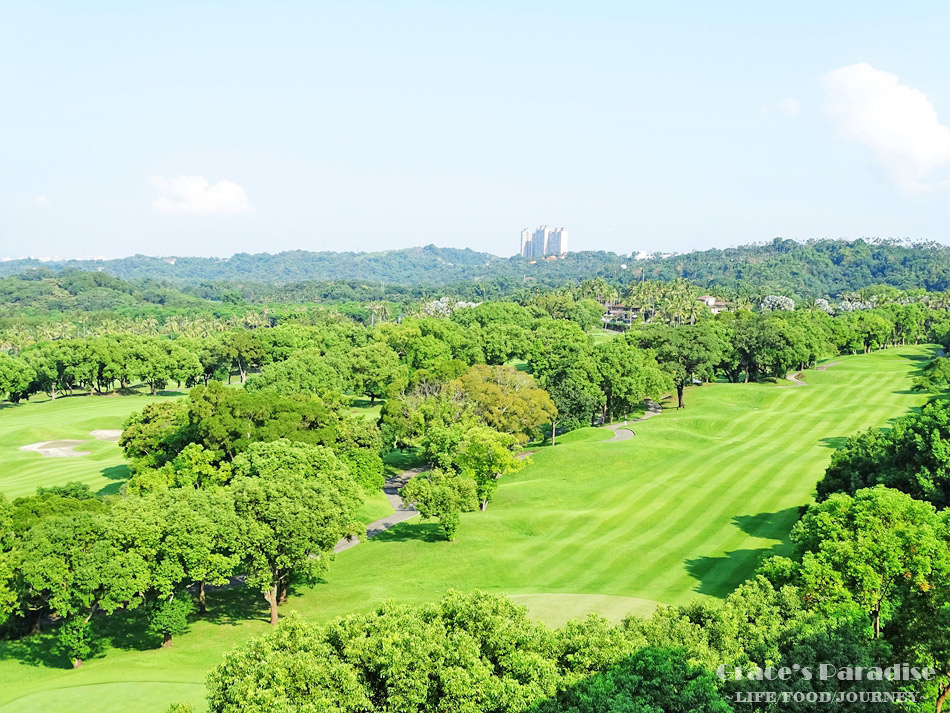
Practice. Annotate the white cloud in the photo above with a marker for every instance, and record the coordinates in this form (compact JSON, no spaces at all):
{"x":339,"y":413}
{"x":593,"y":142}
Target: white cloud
{"x":897,"y":122}
{"x":42,"y":201}
{"x":196,"y":196}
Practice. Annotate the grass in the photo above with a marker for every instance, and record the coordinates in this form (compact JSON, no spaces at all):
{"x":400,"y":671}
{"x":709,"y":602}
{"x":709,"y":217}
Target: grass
{"x":67,"y":417}
{"x":685,"y":509}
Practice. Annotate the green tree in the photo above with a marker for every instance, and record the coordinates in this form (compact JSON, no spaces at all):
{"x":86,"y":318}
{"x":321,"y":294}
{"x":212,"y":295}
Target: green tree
{"x":508,"y":400}
{"x":628,"y":375}
{"x":377,"y":371}
{"x":485,"y":455}
{"x":651,"y":680}
{"x":686,"y":353}
{"x":911,"y":456}
{"x":935,"y":376}
{"x":869,"y":549}
{"x":74,"y":565}
{"x":288,"y":525}
{"x":469,"y":652}
{"x":16,"y":376}
{"x":442,"y":495}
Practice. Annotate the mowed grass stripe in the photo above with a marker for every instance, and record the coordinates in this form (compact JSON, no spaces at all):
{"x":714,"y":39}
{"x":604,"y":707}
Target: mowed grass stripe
{"x":660,"y":534}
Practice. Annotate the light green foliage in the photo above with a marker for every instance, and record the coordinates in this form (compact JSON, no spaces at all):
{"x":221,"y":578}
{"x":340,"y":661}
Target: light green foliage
{"x":169,"y":617}
{"x":651,"y":680}
{"x":485,"y":455}
{"x":686,"y":353}
{"x":471,"y":652}
{"x":935,"y":376}
{"x":442,"y":495}
{"x":306,"y":372}
{"x":9,"y":560}
{"x":911,"y":456}
{"x":75,"y":566}
{"x":16,"y":375}
{"x":244,"y":349}
{"x":868,"y":549}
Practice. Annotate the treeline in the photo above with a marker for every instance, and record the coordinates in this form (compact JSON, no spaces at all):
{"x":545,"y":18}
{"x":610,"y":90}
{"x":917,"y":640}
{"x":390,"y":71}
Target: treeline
{"x":815,"y":268}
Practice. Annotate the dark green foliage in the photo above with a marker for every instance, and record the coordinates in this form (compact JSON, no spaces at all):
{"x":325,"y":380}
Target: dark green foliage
{"x":912,"y":456}
{"x":653,"y":680}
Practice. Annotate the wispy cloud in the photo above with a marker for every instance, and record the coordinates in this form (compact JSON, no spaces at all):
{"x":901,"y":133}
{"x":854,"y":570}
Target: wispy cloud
{"x":42,"y":201}
{"x":896,"y":122}
{"x":195,"y":195}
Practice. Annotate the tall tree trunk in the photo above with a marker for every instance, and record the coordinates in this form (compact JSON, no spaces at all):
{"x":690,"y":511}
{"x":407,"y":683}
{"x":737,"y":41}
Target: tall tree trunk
{"x":168,"y":641}
{"x":202,"y":602}
{"x":553,"y":431}
{"x":483,"y":505}
{"x":282,"y":592}
{"x":944,"y":690}
{"x":271,"y":597}
{"x":679,"y":394}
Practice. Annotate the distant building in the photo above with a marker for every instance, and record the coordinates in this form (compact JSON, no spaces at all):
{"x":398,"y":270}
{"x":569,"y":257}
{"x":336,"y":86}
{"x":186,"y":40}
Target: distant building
{"x":543,"y":242}
{"x":714,"y":303}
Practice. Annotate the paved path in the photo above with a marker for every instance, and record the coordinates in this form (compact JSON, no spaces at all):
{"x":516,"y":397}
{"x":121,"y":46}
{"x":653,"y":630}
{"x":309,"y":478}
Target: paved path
{"x":653,"y":408}
{"x":621,"y":432}
{"x":401,"y":514}
{"x":795,"y":378}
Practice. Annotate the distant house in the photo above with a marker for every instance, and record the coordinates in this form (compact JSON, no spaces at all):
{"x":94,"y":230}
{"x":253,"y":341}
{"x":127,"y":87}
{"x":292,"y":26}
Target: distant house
{"x":714,"y":304}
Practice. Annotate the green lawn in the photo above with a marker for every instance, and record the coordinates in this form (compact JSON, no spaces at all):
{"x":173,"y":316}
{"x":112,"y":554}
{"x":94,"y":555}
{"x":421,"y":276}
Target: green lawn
{"x":683,"y":510}
{"x":68,"y":417}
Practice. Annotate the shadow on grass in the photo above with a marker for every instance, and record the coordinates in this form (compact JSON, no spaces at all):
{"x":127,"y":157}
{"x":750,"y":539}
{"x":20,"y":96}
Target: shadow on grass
{"x":34,"y":650}
{"x":405,"y":531}
{"x":719,"y":576}
{"x":834,"y":442}
{"x":129,"y":629}
{"x":231,"y":606}
{"x":358,"y":402}
{"x":395,"y":462}
{"x":117,"y":473}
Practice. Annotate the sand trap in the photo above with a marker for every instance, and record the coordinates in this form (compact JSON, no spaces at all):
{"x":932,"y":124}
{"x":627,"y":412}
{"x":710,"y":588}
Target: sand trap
{"x":107,"y":435}
{"x":56,"y":449}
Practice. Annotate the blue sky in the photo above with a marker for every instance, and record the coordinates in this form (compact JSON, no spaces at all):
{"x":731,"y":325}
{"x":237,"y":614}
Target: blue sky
{"x":213,"y":128}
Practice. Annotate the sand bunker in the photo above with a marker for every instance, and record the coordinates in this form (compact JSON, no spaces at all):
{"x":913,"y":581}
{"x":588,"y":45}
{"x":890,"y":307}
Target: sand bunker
{"x":56,"y":449}
{"x":107,"y":435}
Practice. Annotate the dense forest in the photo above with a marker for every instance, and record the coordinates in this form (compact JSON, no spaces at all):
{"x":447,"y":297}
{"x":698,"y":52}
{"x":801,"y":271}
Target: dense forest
{"x":816,"y":268}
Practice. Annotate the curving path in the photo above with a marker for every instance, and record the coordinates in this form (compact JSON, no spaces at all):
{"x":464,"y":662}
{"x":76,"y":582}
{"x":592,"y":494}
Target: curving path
{"x":795,"y":378}
{"x":621,"y":433}
{"x":401,"y":512}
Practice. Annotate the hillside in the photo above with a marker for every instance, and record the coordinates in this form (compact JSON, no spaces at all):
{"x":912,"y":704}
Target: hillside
{"x":816,"y":268}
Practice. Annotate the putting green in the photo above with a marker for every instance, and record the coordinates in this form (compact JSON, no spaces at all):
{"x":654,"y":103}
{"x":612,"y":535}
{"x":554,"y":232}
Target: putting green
{"x":684,"y":510}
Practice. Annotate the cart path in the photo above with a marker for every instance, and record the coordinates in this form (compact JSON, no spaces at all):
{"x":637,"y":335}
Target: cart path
{"x":401,"y":512}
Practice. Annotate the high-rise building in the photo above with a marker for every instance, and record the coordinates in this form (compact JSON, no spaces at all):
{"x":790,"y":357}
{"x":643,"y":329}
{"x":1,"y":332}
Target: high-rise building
{"x":543,"y":242}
